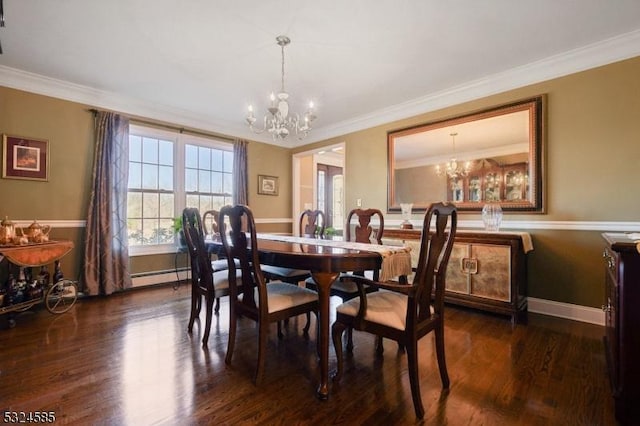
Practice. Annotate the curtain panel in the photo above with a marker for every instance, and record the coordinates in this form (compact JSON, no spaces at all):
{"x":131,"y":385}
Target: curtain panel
{"x":106,"y":249}
{"x":240,"y":185}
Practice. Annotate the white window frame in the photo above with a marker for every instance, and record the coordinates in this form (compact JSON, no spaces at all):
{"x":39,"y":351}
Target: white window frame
{"x":179,"y":140}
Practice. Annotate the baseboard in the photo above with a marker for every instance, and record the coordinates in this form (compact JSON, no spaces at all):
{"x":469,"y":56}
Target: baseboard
{"x":158,"y":278}
{"x":566,"y":310}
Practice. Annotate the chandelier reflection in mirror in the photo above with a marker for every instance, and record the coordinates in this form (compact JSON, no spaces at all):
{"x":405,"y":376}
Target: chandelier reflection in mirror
{"x":452,"y":168}
{"x":279,"y":121}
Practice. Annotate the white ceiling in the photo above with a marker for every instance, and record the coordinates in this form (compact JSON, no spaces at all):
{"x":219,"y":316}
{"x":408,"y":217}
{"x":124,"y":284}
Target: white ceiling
{"x":200,"y":63}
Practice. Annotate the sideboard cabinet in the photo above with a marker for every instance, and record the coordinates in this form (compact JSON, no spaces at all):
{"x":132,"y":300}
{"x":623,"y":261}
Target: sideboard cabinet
{"x":622,"y":324}
{"x":487,"y":270}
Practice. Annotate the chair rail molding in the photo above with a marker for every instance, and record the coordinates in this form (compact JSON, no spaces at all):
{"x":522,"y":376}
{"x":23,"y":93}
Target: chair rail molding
{"x":554,"y":225}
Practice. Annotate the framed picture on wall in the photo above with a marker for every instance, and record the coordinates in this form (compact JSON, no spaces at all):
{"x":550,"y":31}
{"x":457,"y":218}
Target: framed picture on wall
{"x":267,"y":185}
{"x":25,"y":158}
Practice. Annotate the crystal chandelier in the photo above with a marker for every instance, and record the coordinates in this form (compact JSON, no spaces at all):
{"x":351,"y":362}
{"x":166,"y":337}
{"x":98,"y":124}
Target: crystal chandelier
{"x":452,"y":168}
{"x":279,"y":121}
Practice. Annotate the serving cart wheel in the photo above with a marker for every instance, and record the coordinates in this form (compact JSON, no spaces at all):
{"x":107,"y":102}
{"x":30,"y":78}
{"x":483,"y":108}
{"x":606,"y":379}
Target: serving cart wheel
{"x":61,"y":296}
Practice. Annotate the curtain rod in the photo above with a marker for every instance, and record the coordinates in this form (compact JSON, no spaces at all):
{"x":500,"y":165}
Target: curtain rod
{"x":170,"y":127}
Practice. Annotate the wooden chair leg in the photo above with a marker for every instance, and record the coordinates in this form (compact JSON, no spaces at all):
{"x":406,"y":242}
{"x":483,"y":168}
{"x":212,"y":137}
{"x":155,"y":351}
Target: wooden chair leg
{"x":336,"y":332}
{"x":414,"y":378}
{"x":280,"y":335}
{"x":233,"y":322}
{"x":379,"y":346}
{"x":195,"y":310}
{"x":349,"y":339}
{"x":216,"y":310}
{"x":262,"y":347}
{"x":307,"y":325}
{"x":207,"y":327}
{"x":442,"y":363}
{"x":198,"y":303}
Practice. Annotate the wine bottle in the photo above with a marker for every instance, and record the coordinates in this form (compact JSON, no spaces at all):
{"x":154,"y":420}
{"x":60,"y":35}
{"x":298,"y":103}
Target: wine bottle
{"x":57,"y":274}
{"x":43,"y":276}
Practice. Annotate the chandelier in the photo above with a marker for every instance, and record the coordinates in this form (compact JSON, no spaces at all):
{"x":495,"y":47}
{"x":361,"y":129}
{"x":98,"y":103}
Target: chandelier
{"x":452,"y":168}
{"x":279,"y":121}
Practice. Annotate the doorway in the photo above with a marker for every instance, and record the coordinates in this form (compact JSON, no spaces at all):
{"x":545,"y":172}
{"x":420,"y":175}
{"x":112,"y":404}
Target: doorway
{"x":330,"y":193}
{"x":319,"y":183}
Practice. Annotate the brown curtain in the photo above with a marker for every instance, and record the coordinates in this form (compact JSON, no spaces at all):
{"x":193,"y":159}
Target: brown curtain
{"x":240,"y":186}
{"x":106,"y":250}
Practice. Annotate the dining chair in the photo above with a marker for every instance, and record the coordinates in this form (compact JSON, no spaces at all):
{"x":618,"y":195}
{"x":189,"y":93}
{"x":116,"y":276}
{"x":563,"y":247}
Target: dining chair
{"x":210,"y":227}
{"x":407,"y":312}
{"x":363,"y":232}
{"x":259,"y":301}
{"x":205,"y":282}
{"x":311,"y":225}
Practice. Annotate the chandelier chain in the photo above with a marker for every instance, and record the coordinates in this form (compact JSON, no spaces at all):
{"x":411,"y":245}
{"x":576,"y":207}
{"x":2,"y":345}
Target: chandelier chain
{"x":282,"y":49}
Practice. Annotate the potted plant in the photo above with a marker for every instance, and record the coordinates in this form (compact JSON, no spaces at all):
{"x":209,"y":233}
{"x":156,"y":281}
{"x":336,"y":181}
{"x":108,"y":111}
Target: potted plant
{"x":330,"y":232}
{"x":178,"y":231}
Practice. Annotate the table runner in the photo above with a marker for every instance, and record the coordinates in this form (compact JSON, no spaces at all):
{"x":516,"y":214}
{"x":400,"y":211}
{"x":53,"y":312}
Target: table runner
{"x":396,"y":260}
{"x":527,"y":243}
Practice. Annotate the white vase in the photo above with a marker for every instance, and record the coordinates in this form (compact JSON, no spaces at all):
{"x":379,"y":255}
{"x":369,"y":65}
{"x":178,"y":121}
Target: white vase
{"x":492,"y":216}
{"x":406,"y":215}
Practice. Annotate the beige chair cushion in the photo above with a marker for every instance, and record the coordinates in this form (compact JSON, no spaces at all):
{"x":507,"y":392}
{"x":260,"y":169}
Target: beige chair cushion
{"x":284,"y":272}
{"x":282,"y":296}
{"x":383,"y":307}
{"x":222,"y":264}
{"x":221,"y":279}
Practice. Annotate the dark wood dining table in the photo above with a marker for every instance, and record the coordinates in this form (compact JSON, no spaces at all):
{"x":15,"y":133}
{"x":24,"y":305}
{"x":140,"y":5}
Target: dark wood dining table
{"x":325,"y":262}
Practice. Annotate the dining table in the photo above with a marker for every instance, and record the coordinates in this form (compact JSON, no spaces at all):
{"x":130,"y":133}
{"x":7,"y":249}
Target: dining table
{"x":326,"y":259}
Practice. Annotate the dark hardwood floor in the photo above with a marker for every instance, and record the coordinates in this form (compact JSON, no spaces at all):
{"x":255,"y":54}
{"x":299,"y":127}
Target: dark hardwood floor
{"x":128,"y":360}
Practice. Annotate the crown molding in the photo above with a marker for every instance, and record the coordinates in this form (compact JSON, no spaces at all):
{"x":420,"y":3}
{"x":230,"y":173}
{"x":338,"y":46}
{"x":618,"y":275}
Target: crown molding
{"x":597,"y":54}
{"x":60,"y":89}
{"x":605,"y":52}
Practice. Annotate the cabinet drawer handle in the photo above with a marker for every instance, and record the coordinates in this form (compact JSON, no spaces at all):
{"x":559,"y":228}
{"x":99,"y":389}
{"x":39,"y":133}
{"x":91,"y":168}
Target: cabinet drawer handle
{"x":609,"y":259}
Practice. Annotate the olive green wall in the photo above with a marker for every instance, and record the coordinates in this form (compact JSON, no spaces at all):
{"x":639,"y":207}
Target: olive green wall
{"x":271,"y":160}
{"x":592,"y":154}
{"x":68,"y":127}
{"x":592,"y":158}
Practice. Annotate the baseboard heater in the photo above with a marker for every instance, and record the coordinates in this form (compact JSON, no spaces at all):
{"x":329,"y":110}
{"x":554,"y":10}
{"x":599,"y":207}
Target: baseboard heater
{"x":159,"y":277}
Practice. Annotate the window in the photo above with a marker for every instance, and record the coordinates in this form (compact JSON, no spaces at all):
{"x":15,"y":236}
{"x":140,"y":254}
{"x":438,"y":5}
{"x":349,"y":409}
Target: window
{"x":167,"y":172}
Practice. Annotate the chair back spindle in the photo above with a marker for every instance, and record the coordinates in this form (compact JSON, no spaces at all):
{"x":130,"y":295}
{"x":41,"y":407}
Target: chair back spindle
{"x":238,"y":234}
{"x":312,"y":224}
{"x":363,"y":231}
{"x":435,"y":251}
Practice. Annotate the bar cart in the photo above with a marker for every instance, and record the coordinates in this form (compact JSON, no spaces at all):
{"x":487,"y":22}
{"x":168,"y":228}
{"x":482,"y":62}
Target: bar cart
{"x":21,"y":293}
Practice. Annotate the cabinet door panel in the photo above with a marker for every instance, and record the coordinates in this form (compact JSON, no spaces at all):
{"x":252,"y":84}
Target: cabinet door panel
{"x":493,"y":279}
{"x":611,"y":319}
{"x":457,"y":279}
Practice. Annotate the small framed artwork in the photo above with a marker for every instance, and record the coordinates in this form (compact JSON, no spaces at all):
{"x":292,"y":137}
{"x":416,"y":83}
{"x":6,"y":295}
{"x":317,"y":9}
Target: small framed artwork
{"x":25,"y":158}
{"x":267,"y":185}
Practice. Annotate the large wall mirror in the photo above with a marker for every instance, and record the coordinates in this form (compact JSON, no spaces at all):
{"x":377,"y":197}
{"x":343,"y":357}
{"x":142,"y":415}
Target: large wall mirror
{"x":495,"y":155}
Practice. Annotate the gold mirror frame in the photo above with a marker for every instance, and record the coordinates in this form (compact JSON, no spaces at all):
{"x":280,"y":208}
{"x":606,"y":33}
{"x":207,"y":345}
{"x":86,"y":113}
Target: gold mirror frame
{"x":491,"y":142}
